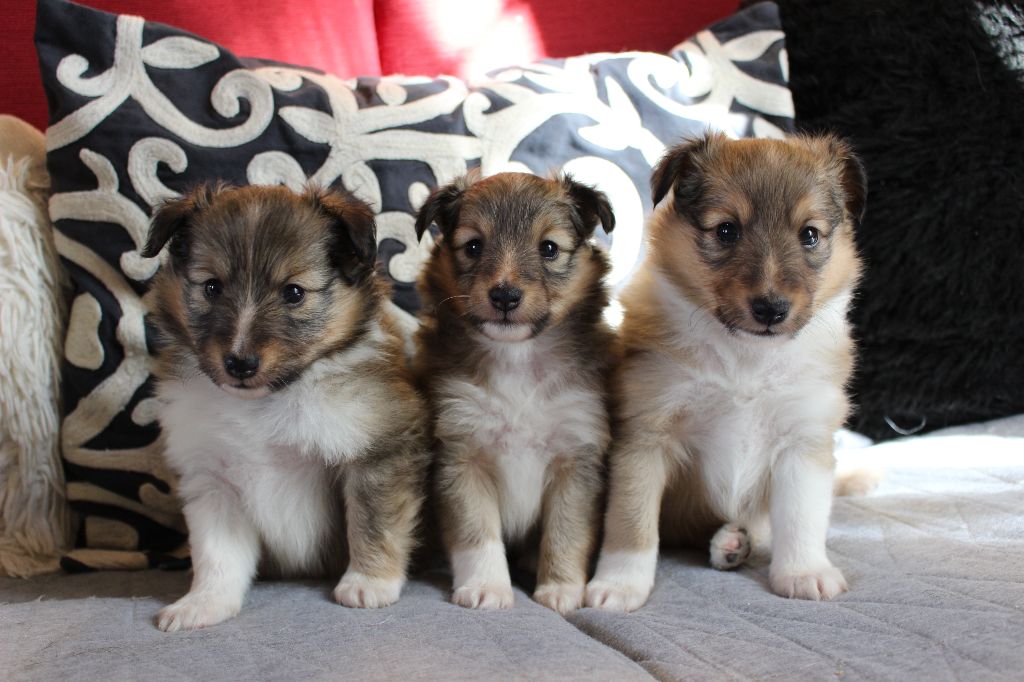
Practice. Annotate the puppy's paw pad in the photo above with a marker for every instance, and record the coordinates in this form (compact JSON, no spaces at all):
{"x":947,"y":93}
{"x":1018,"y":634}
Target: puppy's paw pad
{"x":561,"y":597}
{"x":484,"y":596}
{"x":360,"y":591}
{"x":730,"y":547}
{"x":195,"y":611}
{"x":615,"y":596}
{"x":816,"y":585}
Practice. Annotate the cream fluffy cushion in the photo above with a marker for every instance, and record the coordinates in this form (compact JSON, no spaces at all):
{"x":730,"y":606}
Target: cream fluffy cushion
{"x":34,"y":518}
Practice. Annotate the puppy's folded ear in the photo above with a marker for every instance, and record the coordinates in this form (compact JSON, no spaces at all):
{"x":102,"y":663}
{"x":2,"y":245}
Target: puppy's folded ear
{"x":843,"y":168}
{"x":442,"y":207}
{"x":354,"y":230}
{"x":591,"y":204}
{"x":171,"y":220}
{"x":852,"y":177}
{"x":679,"y":163}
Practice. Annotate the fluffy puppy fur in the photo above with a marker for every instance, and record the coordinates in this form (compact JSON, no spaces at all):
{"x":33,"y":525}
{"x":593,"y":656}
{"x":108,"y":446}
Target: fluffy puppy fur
{"x":286,"y":404}
{"x":514,"y":355}
{"x":737,"y":351}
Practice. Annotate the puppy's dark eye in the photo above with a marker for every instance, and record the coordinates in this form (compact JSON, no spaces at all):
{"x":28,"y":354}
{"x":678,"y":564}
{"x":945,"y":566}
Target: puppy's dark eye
{"x":473,"y":248}
{"x":212,"y":289}
{"x":809,"y":236}
{"x":727,"y":232}
{"x":293,"y":294}
{"x":548,"y":250}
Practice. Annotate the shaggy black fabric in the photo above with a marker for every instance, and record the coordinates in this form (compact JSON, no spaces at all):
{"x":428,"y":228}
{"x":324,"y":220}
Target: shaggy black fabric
{"x":931,"y":93}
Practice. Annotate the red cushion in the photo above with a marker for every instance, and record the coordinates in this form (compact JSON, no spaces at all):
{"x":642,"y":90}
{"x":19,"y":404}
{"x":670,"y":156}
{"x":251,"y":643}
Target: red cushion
{"x":22,"y":91}
{"x":414,"y":36}
{"x":468,"y":39}
{"x":334,"y":35}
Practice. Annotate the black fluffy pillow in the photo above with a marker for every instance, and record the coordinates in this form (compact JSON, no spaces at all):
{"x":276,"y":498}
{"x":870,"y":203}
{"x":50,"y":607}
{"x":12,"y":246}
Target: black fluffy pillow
{"x":931,"y":93}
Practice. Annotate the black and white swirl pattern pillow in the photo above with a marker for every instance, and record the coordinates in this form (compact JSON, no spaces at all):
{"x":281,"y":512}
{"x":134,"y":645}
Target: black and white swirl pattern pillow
{"x":141,"y":112}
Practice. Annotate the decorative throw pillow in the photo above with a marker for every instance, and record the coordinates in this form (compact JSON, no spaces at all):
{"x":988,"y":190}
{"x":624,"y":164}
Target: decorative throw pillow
{"x":140,"y":112}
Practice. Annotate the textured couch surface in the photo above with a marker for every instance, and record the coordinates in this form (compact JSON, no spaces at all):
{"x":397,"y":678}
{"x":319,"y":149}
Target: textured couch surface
{"x":934,"y":559}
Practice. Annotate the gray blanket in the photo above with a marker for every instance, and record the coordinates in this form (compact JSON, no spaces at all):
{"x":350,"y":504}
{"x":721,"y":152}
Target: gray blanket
{"x":935,"y":561}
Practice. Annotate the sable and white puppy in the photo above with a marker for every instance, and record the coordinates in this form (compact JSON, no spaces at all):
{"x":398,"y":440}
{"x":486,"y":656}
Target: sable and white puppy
{"x":287,"y":408}
{"x":737,"y":351}
{"x":514,"y":354}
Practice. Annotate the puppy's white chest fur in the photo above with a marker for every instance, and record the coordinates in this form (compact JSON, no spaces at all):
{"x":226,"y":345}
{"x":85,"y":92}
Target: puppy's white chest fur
{"x":270,"y":459}
{"x":528,"y":411}
{"x":743,"y":403}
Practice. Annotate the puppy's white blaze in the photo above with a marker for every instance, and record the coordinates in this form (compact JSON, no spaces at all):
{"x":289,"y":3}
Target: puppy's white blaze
{"x":245,"y":320}
{"x":506,"y":332}
{"x":769,"y":268}
{"x":629,"y":569}
{"x":481,"y":566}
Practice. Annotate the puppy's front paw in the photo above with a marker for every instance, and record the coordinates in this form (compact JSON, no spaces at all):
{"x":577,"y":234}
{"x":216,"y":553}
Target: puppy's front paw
{"x":360,"y":591}
{"x":484,"y":596}
{"x":818,"y":584}
{"x":561,"y":597}
{"x":730,"y":547}
{"x":616,"y":596}
{"x":196,"y":610}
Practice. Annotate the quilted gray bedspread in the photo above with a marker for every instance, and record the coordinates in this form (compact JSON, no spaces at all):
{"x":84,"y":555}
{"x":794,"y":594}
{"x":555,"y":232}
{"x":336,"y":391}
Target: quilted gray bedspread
{"x":934,"y":557}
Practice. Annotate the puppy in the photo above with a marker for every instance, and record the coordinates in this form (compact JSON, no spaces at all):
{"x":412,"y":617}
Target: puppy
{"x":514,"y":355}
{"x":286,"y":406}
{"x":737,"y":351}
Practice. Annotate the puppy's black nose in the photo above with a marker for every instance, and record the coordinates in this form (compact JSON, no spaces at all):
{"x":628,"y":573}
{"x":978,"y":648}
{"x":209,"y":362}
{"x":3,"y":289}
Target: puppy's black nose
{"x":505,"y":297}
{"x":241,"y":368}
{"x":769,"y":311}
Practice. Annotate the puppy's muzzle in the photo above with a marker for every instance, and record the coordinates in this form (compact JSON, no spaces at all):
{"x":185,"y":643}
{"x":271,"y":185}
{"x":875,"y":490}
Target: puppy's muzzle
{"x":505,"y":297}
{"x":768,"y":310}
{"x":242,"y":367}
